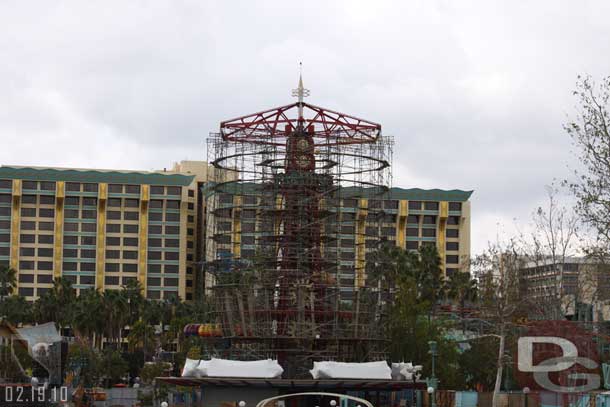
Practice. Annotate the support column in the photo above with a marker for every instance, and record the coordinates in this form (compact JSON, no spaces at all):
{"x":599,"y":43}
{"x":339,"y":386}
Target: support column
{"x":442,"y":233}
{"x":143,"y":236}
{"x":360,"y":279}
{"x":101,"y":236}
{"x":15,"y":229}
{"x":236,"y":234}
{"x":401,"y":223}
{"x":59,"y":229}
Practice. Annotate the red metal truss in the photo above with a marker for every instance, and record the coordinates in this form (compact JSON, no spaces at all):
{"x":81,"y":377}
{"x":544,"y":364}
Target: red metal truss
{"x":274,"y":125}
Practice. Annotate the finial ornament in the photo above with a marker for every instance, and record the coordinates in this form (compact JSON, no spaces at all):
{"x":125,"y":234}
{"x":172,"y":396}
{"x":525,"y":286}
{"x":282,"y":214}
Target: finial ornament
{"x":300,"y":92}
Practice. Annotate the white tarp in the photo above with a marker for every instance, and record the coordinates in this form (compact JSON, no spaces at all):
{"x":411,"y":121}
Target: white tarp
{"x":261,"y":369}
{"x":405,"y":371}
{"x":341,"y":370}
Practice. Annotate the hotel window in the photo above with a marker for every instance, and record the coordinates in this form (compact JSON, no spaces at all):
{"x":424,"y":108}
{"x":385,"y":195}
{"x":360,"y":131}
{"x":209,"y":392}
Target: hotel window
{"x":90,"y":187}
{"x":115,"y":188}
{"x":45,"y":265}
{"x":48,"y":226}
{"x":412,"y":219}
{"x":87,"y":279}
{"x":157,"y":190}
{"x":114,"y":203}
{"x":132,"y":203}
{"x":428,"y":232}
{"x":114,"y":215}
{"x":26,"y":291}
{"x":111,"y":280}
{"x":28,"y":199}
{"x":30,"y":185}
{"x":26,"y":251}
{"x":172,"y":217}
{"x":455,"y":206}
{"x":154,"y":268}
{"x":172,"y":243}
{"x":155,"y":216}
{"x":28,"y":212}
{"x":27,"y":225}
{"x":431,"y":206}
{"x":48,"y":239}
{"x":130,"y":268}
{"x":26,"y":238}
{"x":170,"y":282}
{"x":171,"y":268}
{"x":171,"y":255}
{"x":88,"y":214}
{"x":131,"y":215}
{"x":453,"y":233}
{"x":388,"y":231}
{"x":72,"y":186}
{"x":113,"y":254}
{"x":26,"y":265}
{"x":5,"y":238}
{"x":173,"y":190}
{"x":88,"y":201}
{"x":190,"y":219}
{"x":5,"y":198}
{"x":45,"y":252}
{"x":6,"y":183}
{"x":453,"y":220}
{"x":69,"y":266}
{"x":88,"y":240}
{"x":412,"y":245}
{"x":71,"y":213}
{"x":47,"y":185}
{"x":88,"y":227}
{"x":415,"y":205}
{"x":113,"y":241}
{"x":429,"y":220}
{"x":132,"y":189}
{"x":130,"y":241}
{"x":154,"y":255}
{"x":155,"y":229}
{"x":153,"y":281}
{"x":71,"y":253}
{"x":130,"y":228}
{"x":128,"y":280}
{"x":113,"y":228}
{"x":412,"y":232}
{"x":172,"y":205}
{"x":156,"y":203}
{"x":453,"y":245}
{"x":46,"y":212}
{"x":393,"y":204}
{"x":44,"y":278}
{"x":452,"y":259}
{"x":154,"y":242}
{"x":130,"y":254}
{"x":112,"y":267}
{"x":191,"y":193}
{"x":5,"y":211}
{"x":47,"y":200}
{"x":87,"y":267}
{"x":172,"y":230}
{"x":191,"y":206}
{"x":72,"y":201}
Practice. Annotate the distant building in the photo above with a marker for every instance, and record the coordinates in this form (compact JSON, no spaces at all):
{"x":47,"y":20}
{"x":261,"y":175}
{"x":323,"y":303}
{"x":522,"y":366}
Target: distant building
{"x":101,"y":228}
{"x":580,"y":285}
{"x":412,"y":217}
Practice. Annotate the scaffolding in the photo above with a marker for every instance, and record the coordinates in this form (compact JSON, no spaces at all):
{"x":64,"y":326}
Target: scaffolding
{"x":290,"y":201}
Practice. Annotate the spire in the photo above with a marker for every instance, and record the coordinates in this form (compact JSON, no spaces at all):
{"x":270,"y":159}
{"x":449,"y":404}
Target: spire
{"x":300,"y":92}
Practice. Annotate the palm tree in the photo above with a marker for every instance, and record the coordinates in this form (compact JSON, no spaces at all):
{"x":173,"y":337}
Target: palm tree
{"x":57,"y":304}
{"x":15,"y":309}
{"x":88,"y":319}
{"x":133,"y":293}
{"x":115,"y":308}
{"x":8,"y":281}
{"x":141,"y":336}
{"x":461,"y":287}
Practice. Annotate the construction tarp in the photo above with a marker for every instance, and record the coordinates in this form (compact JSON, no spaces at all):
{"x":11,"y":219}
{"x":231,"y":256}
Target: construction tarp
{"x":262,"y":369}
{"x":342,"y":370}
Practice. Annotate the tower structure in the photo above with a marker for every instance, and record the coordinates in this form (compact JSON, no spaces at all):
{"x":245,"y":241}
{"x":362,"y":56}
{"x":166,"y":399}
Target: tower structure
{"x":288,"y":182}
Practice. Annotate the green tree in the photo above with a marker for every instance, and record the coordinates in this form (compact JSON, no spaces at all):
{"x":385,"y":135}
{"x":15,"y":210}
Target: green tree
{"x":84,"y":364}
{"x":142,"y":336}
{"x":8,"y":280}
{"x":115,"y":308}
{"x":88,"y":318}
{"x":57,"y":304}
{"x":16,"y":310}
{"x":113,"y":367}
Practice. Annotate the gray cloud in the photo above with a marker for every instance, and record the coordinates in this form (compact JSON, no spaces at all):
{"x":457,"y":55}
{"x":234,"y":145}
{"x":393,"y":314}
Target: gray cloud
{"x":475,"y":93}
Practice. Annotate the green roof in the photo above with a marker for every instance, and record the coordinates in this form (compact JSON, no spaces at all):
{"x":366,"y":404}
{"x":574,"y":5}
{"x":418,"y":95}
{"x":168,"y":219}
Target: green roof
{"x":95,"y":176}
{"x":410,"y":194}
{"x":417,"y":194}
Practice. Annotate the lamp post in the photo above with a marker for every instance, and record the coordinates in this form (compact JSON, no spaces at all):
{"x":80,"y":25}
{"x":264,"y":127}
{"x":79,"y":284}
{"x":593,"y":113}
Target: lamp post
{"x":432,"y":381}
{"x":526,"y":390}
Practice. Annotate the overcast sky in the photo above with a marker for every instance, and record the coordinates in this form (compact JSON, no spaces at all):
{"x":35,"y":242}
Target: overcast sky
{"x":475,"y":93}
